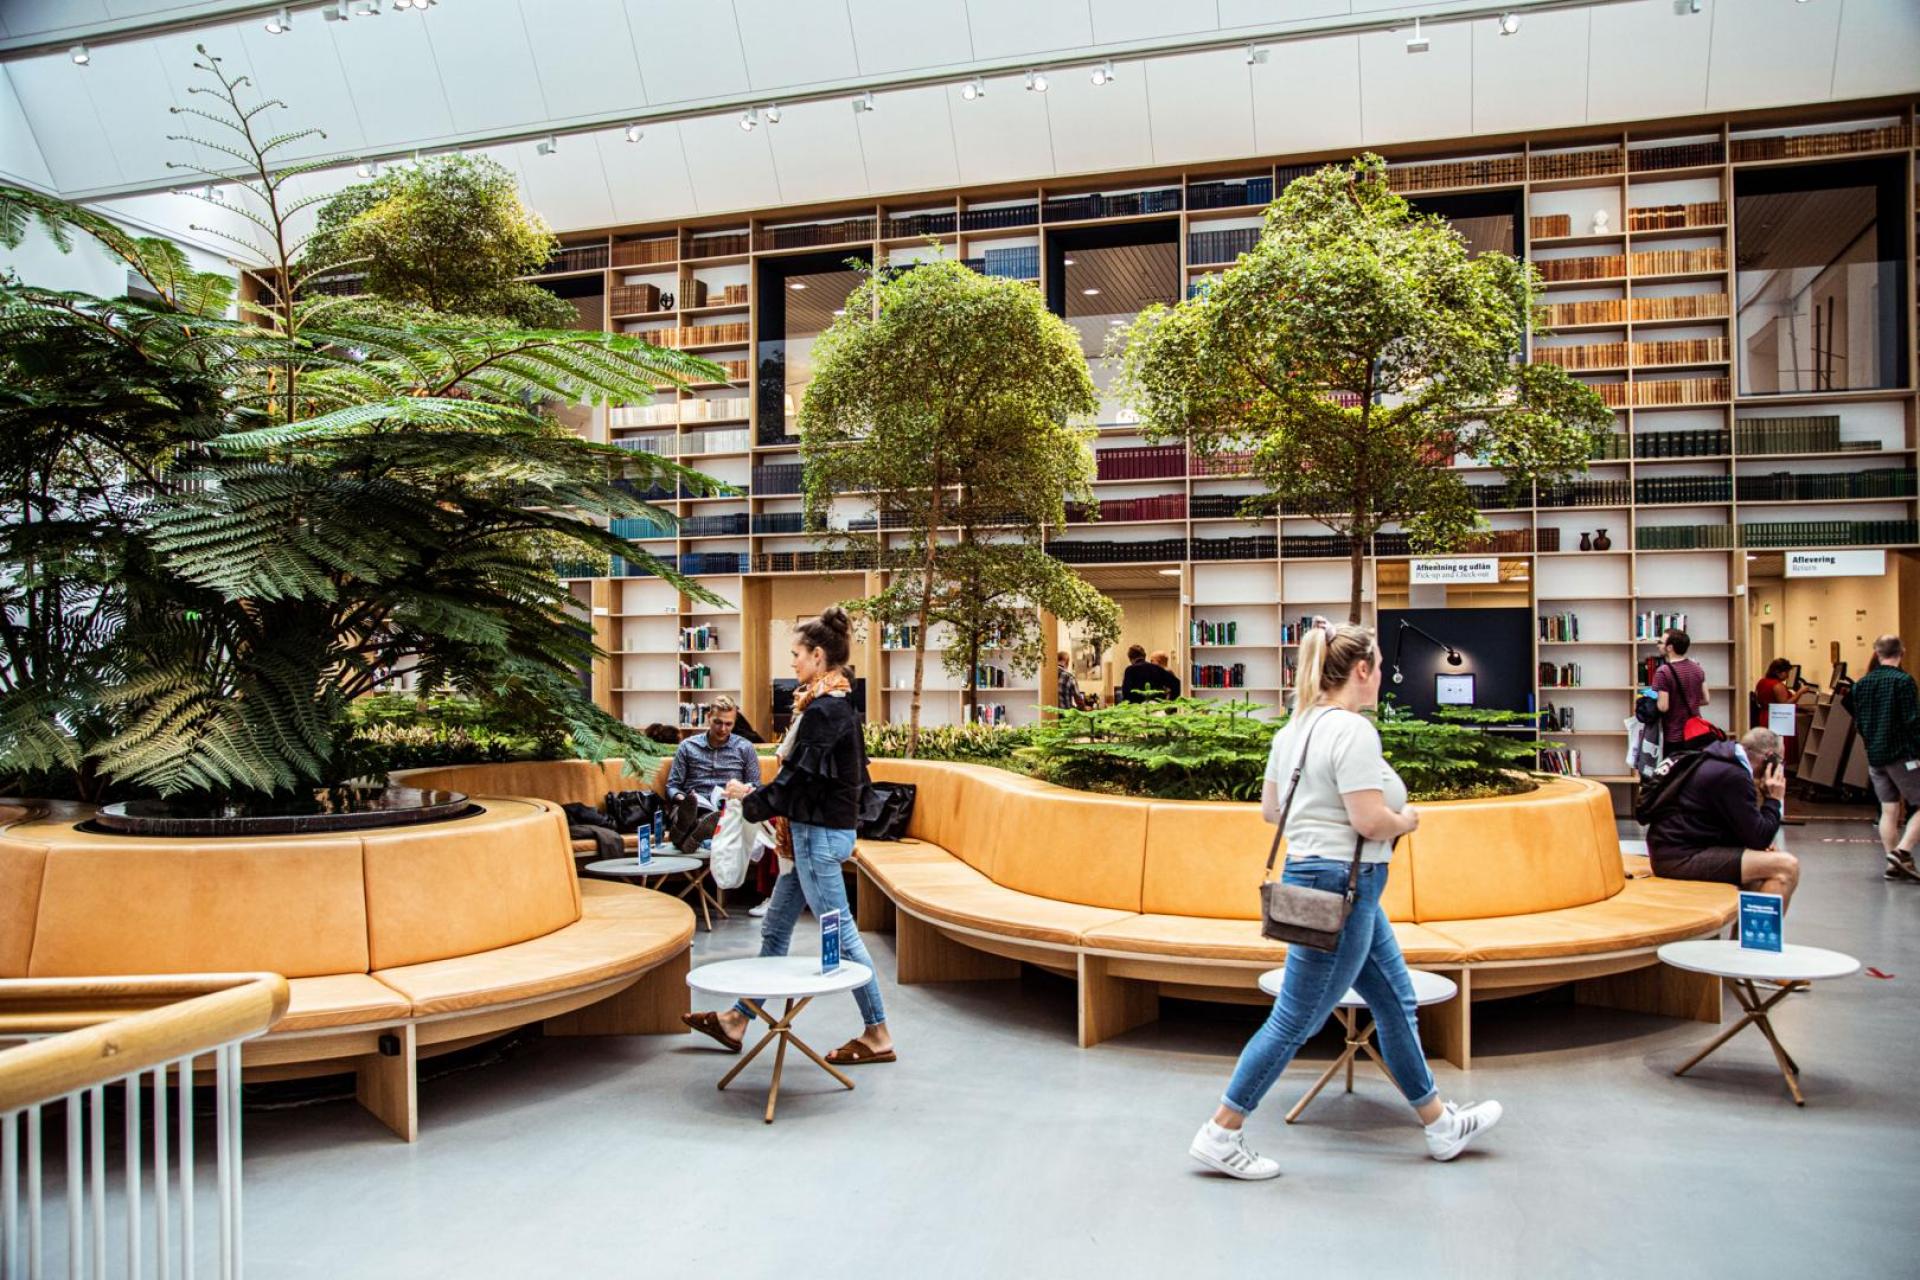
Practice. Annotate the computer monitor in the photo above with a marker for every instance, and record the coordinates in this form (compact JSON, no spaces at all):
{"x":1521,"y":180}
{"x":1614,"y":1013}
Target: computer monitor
{"x":1453,"y":690}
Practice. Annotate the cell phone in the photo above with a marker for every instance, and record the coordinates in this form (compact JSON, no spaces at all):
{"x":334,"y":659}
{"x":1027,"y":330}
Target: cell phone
{"x":1770,"y":762}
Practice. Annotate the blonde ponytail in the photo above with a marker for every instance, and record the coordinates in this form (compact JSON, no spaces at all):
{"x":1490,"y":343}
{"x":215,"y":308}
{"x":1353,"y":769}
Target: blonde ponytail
{"x":1313,"y":662}
{"x":1328,"y":656}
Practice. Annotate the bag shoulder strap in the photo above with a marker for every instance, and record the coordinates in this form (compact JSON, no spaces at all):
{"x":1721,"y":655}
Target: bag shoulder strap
{"x":1280,"y":828}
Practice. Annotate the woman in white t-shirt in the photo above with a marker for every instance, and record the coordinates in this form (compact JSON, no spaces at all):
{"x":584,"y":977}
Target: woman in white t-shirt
{"x":1347,"y":795}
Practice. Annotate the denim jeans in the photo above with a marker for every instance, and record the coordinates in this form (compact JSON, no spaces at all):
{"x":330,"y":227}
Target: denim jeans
{"x":816,"y":881}
{"x":1368,"y":960}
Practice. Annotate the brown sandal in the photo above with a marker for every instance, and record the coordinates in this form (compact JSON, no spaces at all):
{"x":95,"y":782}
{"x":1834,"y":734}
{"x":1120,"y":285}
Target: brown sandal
{"x":855,"y":1054}
{"x":708,"y":1024}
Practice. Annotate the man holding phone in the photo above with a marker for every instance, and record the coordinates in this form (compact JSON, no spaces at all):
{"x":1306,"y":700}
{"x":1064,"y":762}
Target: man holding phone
{"x":1725,"y":811}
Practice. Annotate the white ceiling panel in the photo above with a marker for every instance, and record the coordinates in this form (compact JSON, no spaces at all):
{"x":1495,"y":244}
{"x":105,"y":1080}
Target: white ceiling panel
{"x":731,"y":169}
{"x":587,"y":63}
{"x":1252,"y":13}
{"x":908,"y":141}
{"x":1002,"y":135}
{"x":687,"y":54}
{"x":1779,"y":51}
{"x":131,"y":96}
{"x":1407,"y":96}
{"x":180,"y":57}
{"x":1644,"y":60}
{"x":1115,"y":21}
{"x":1306,"y":96}
{"x":393,"y":79}
{"x":20,"y":158}
{"x":24,"y":17}
{"x":1878,"y":49}
{"x":302,"y":68}
{"x":485,"y":63}
{"x":936,"y":37}
{"x":1535,"y":78}
{"x":569,"y":187}
{"x":1005,"y":28}
{"x":1100,"y":126}
{"x":648,"y":179}
{"x":60,"y":112}
{"x":816,"y":151}
{"x":1201,"y":106}
{"x":796,"y":42}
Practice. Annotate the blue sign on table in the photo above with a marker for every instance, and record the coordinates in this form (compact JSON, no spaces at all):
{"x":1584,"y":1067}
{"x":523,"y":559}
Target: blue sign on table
{"x":830,"y":942}
{"x":659,"y":825}
{"x":644,"y":844}
{"x":1760,"y":915}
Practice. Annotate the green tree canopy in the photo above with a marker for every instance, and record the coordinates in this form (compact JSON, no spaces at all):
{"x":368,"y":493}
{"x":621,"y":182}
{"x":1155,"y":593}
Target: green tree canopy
{"x":951,"y":397}
{"x":448,"y":234}
{"x":1354,"y":352}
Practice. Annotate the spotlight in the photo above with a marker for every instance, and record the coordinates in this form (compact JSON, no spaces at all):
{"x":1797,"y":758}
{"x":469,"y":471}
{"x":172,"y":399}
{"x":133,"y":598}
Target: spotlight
{"x":1066,"y":262}
{"x":1418,"y":43}
{"x":798,"y":286}
{"x":974,"y":88}
{"x":1509,"y":23}
{"x":547,"y":145}
{"x":1036,"y":82}
{"x":633,"y":133}
{"x":1256,"y":53}
{"x":335,"y":12}
{"x":748,"y":119}
{"x":1103,"y":74}
{"x":367,"y":9}
{"x":368,"y":170}
{"x":863,"y":103}
{"x":280,"y":22}
{"x":773,"y":113}
{"x":1090,"y":292}
{"x":80,"y":55}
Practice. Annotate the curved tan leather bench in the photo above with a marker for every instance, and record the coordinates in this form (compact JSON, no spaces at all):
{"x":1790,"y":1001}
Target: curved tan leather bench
{"x":1139,"y":898}
{"x":397,"y":943}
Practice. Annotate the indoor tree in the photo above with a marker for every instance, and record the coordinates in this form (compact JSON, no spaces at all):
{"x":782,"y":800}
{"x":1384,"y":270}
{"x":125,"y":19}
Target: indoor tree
{"x":1354,"y":352}
{"x":951,"y":398}
{"x":242,"y":524}
{"x":447,"y":233}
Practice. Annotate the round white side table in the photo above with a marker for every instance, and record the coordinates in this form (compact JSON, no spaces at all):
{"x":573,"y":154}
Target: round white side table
{"x":1792,"y":967}
{"x":1428,"y":988}
{"x":659,"y":865}
{"x":794,"y":979}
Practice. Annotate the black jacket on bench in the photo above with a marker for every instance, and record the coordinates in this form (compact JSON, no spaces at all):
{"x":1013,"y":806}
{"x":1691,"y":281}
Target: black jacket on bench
{"x":1715,"y":809}
{"x":822,"y":779}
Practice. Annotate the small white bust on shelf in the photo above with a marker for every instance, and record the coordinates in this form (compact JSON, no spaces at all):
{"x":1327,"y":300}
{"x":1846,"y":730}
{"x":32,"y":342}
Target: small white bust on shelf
{"x":1602,"y":222}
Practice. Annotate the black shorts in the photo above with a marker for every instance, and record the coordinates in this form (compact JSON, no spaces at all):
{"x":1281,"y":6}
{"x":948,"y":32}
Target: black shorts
{"x":1719,"y":865}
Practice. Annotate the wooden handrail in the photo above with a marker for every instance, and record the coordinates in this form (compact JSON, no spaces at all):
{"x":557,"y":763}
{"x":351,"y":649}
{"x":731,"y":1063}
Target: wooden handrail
{"x":102,"y":1029}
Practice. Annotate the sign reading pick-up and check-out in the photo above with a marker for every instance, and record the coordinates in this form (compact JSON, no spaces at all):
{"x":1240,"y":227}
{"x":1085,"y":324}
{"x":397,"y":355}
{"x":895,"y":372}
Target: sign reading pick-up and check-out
{"x":1454,"y":570}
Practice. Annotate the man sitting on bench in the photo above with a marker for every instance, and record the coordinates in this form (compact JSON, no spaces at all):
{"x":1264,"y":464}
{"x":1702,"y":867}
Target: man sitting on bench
{"x":1722,"y":814}
{"x":702,"y":765}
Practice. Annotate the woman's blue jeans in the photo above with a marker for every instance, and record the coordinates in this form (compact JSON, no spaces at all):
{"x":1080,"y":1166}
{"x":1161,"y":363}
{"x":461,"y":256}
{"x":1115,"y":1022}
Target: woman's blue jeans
{"x":1368,"y":960}
{"x":816,"y":881}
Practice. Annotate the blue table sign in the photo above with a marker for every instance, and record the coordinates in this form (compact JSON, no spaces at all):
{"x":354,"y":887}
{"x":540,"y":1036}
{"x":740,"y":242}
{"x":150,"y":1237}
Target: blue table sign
{"x":830,"y":942}
{"x":659,"y":826}
{"x":644,"y":847}
{"x":1760,"y":915}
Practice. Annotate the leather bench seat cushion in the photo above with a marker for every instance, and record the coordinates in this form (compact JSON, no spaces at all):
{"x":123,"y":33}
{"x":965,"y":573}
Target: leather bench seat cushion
{"x":1628,"y":921}
{"x":449,"y":889}
{"x":561,"y":781}
{"x":1691,"y":894}
{"x":937,"y":886}
{"x":1505,"y":857}
{"x":1207,"y":858}
{"x":1207,"y":938}
{"x":340,"y":1000}
{"x":1069,"y":846}
{"x":622,"y":930}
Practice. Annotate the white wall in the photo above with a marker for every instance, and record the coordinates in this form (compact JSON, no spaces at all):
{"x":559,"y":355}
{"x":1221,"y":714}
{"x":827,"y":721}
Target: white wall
{"x":88,"y":268}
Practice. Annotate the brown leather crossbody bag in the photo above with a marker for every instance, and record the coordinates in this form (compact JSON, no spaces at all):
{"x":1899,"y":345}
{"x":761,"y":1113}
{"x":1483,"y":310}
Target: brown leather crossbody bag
{"x":1294,"y":913}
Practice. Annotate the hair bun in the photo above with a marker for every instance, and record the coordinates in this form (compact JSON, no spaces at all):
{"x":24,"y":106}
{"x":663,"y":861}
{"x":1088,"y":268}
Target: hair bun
{"x":836,"y":619}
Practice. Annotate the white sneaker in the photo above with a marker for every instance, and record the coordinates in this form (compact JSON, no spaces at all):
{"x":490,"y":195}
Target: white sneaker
{"x":1225,"y":1151}
{"x":1457,"y":1128}
{"x":760,"y":910}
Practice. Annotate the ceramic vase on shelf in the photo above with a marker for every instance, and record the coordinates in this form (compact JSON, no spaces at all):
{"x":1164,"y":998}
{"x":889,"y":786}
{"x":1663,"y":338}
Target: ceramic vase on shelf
{"x":1601,"y":542}
{"x":1586,"y":542}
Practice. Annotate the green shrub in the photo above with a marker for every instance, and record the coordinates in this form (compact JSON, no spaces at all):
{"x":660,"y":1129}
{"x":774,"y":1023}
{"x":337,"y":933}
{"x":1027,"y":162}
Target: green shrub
{"x":403,"y":731}
{"x":973,"y":743}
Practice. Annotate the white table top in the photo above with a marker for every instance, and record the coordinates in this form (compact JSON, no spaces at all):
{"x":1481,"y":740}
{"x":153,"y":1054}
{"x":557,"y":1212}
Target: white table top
{"x":659,"y":865}
{"x":1728,"y":959}
{"x":776,"y":977}
{"x":1428,"y":988}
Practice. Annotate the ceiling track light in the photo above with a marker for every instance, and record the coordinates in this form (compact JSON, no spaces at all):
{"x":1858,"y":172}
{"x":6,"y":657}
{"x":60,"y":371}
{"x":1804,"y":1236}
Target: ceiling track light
{"x":863,"y":103}
{"x":1257,"y":54}
{"x":1509,"y":23}
{"x":1692,"y":6}
{"x":772,"y":113}
{"x":1103,"y":74}
{"x":634,"y":133}
{"x":80,"y":54}
{"x":1036,"y":82}
{"x":749,"y":119}
{"x":1417,"y":42}
{"x":366,"y":8}
{"x":280,"y":23}
{"x":547,"y":145}
{"x":335,"y":12}
{"x":370,"y":169}
{"x":974,"y":88}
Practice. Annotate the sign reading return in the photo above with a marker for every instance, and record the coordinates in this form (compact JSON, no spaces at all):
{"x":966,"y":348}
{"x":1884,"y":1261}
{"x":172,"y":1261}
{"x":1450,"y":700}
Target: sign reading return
{"x":1836,"y":564}
{"x":1455,"y":569}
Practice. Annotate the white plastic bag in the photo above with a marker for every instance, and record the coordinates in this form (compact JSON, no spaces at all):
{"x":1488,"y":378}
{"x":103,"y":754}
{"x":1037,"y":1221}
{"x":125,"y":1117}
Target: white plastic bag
{"x":733,"y":843}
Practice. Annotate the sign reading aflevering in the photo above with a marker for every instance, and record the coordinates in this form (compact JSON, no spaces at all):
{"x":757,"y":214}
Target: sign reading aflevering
{"x":1454,"y":569}
{"x":1836,"y":564}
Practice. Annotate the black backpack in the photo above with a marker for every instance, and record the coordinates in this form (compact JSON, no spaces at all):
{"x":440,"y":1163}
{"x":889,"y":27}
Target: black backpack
{"x":629,"y":811}
{"x":1646,"y":707}
{"x":1660,"y":790}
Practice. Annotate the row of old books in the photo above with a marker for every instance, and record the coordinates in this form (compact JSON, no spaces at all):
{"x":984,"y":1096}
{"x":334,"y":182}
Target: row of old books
{"x":1000,"y":217}
{"x":1119,"y":205}
{"x":1785,"y":486}
{"x":699,"y":335}
{"x":738,"y":440}
{"x":1794,"y":146}
{"x":1210,"y":247}
{"x":1171,"y":506}
{"x":646,"y":253}
{"x":1668,"y":217}
{"x":1683,"y":489}
{"x":1564,"y":675}
{"x":1586,"y":493}
{"x":1232,"y":506}
{"x":807,"y":234}
{"x":718,"y":244}
{"x":1560,"y":628}
{"x":1673,"y":262}
{"x":1215,"y":675}
{"x":1828,"y":533}
{"x":1805,"y":433}
{"x":1493,"y":171}
{"x":1231,"y":193}
{"x":1141,"y":462}
{"x":1591,"y":163}
{"x":920,"y":224}
{"x":715,"y":526}
{"x":1684,"y":537}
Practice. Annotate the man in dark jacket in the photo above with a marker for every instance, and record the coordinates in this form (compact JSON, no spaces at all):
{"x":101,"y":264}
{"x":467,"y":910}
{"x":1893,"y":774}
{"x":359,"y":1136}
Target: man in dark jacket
{"x":1887,"y":709}
{"x":1714,"y":827}
{"x":1142,"y":676}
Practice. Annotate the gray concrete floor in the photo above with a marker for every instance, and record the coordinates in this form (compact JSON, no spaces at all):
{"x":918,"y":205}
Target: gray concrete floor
{"x":995,"y":1147}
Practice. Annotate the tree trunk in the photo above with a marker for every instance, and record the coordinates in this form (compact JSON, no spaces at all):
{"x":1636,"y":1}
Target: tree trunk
{"x":1358,"y":582}
{"x":970,"y":698}
{"x":927,"y":565}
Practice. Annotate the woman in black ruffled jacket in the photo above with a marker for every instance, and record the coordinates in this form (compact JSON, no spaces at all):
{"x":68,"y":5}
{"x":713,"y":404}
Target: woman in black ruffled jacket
{"x":823,"y":772}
